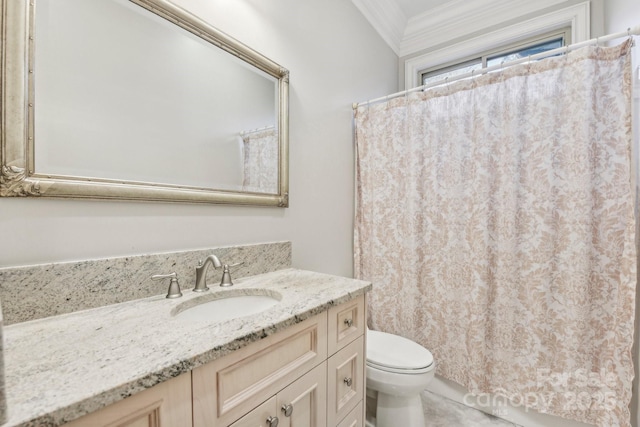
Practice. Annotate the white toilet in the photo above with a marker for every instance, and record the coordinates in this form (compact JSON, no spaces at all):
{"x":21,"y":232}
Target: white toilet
{"x":398,"y":370}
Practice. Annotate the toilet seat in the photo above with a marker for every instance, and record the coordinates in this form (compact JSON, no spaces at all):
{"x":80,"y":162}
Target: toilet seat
{"x":393,"y":353}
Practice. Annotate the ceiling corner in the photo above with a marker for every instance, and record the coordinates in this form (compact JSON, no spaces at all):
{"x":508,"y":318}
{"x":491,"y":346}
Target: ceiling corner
{"x":387,"y":19}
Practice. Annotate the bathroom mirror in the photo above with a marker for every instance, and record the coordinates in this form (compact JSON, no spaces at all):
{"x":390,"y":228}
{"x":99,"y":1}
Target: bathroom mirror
{"x":137,"y":100}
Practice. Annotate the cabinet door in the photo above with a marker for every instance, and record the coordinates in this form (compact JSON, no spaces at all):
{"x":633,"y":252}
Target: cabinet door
{"x":345,"y":380}
{"x":304,"y":402}
{"x":167,"y":404}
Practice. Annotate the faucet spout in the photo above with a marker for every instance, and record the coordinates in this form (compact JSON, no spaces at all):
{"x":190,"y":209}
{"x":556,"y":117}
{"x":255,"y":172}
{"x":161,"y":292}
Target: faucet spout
{"x":201,"y":272}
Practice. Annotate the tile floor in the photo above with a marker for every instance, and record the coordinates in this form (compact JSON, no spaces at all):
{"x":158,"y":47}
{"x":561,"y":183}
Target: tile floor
{"x":442,"y":412}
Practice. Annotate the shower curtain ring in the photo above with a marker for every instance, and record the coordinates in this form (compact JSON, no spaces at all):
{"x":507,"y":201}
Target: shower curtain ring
{"x":633,"y":41}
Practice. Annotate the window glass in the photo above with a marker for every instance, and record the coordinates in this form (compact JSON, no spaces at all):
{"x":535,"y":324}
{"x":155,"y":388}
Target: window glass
{"x":452,"y":71}
{"x":506,"y":53}
{"x":523,"y":53}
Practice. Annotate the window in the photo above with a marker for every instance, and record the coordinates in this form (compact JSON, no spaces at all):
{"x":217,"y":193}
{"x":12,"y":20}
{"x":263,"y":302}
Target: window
{"x":507,"y":53}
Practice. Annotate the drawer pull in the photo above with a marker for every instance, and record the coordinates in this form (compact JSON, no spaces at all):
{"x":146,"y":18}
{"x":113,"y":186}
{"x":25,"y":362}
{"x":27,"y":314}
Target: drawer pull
{"x":272,"y":421}
{"x":348,"y":322}
{"x":287,"y":409}
{"x":348,"y":381}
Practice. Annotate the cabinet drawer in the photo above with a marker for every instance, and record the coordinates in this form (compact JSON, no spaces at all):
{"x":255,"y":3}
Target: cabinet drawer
{"x":353,"y":418}
{"x":229,"y":387}
{"x":345,"y":381}
{"x":346,"y":323}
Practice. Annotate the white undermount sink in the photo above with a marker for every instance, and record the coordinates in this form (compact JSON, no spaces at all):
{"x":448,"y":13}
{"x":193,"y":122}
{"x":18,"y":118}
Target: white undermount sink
{"x":227,"y":305}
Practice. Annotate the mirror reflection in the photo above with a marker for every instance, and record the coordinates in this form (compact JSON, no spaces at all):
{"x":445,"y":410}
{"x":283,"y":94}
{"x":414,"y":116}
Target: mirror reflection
{"x":123,"y":94}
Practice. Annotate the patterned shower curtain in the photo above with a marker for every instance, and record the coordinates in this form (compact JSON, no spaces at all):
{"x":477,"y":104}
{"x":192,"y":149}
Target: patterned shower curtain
{"x":495,"y":219}
{"x":260,"y":164}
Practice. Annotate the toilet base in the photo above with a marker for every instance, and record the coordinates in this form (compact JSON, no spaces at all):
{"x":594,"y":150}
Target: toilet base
{"x":394,"y":411}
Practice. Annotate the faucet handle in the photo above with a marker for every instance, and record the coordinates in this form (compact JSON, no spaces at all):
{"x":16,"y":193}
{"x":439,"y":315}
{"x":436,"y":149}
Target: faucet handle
{"x":226,"y":274}
{"x":174,"y":286}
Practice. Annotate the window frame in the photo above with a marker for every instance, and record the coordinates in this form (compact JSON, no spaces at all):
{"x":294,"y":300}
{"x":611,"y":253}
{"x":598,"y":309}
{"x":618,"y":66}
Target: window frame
{"x":577,"y":17}
{"x":506,"y":49}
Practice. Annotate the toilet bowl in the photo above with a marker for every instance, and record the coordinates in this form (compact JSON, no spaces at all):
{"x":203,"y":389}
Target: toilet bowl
{"x":398,"y":370}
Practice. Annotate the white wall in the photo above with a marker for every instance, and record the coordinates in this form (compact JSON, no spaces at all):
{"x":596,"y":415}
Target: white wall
{"x":335,"y":58}
{"x":619,"y":15}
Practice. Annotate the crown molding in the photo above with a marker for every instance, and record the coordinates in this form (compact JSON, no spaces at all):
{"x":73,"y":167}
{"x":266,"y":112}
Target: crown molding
{"x":387,"y":18}
{"x":435,"y":27}
{"x":461,"y":18}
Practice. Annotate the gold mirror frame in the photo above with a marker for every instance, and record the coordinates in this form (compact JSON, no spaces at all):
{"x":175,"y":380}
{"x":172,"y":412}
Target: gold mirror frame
{"x":17,"y":175}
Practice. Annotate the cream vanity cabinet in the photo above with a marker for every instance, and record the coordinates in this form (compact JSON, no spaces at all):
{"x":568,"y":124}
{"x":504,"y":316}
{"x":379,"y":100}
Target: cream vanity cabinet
{"x":167,"y":404}
{"x":309,"y":375}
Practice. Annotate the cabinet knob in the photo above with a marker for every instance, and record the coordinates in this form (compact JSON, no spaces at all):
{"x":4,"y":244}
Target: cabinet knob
{"x":287,"y":409}
{"x":348,"y":322}
{"x":348,"y":381}
{"x":273,"y":421}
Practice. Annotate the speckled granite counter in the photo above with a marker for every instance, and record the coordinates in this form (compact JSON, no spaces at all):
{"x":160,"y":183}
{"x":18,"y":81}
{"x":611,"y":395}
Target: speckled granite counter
{"x":63,"y":367}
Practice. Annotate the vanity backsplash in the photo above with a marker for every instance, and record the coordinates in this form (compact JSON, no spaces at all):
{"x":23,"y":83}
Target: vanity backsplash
{"x":37,"y":291}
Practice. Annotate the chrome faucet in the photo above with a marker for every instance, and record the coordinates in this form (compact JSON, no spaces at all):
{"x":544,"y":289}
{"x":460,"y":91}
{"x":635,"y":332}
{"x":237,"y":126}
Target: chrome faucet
{"x":201,"y":272}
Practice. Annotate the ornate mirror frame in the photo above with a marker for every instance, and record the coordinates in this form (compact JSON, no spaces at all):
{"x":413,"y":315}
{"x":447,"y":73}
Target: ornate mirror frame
{"x":18,"y":177}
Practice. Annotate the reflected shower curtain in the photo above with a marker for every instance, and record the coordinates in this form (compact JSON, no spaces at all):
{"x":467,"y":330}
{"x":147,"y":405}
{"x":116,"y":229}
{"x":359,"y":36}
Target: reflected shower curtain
{"x":260,"y":165}
{"x":495,"y":220}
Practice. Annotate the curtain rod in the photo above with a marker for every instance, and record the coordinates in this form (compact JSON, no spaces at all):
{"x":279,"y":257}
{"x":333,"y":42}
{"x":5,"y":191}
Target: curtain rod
{"x":561,"y":50}
{"x":246,"y":132}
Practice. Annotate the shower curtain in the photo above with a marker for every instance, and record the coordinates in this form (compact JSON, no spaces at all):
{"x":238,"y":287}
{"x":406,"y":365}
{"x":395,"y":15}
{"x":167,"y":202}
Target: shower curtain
{"x":260,"y":164}
{"x":495,"y":220}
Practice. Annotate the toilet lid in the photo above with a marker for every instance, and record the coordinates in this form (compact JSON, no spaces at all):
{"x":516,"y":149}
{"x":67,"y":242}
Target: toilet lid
{"x":396,"y":353}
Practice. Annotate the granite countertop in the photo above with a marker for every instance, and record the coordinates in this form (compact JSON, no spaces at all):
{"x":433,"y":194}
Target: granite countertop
{"x":60,"y":368}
